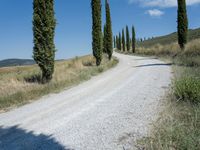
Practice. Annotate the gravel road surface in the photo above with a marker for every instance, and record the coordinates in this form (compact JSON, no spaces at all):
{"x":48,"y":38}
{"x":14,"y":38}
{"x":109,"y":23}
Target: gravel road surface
{"x":108,"y":112}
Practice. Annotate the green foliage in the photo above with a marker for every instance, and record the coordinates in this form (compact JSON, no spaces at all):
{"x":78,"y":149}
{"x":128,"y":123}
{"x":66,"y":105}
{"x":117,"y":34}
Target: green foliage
{"x":44,"y":24}
{"x":96,"y":31}
{"x":114,"y":42}
{"x":108,"y":34}
{"x":117,"y":42}
{"x":123,"y":41}
{"x":187,"y":89}
{"x":120,"y":41}
{"x":104,"y":39}
{"x":182,"y":23}
{"x":127,"y":39}
{"x":133,"y":39}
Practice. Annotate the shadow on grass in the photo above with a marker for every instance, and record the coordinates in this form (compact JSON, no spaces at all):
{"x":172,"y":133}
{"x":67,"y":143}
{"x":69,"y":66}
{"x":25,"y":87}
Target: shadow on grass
{"x":15,"y":138}
{"x":154,"y":65}
{"x":36,"y":78}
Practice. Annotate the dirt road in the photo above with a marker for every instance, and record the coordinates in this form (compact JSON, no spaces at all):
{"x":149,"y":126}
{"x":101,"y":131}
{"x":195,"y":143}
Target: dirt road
{"x":107,"y":112}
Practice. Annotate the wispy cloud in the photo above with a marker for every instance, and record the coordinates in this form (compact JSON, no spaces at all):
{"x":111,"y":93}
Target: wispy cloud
{"x":155,"y":13}
{"x":162,"y":3}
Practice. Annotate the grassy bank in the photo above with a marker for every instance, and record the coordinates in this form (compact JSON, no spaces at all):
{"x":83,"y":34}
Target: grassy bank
{"x":21,"y":85}
{"x":178,"y":126}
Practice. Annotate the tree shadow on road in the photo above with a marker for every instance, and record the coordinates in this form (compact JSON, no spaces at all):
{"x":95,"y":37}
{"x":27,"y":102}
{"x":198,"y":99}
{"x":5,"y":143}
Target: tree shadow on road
{"x":154,"y":65}
{"x":15,"y":138}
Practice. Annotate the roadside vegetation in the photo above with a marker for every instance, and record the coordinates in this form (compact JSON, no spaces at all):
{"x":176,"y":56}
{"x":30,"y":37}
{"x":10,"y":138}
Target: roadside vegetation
{"x":20,"y":85}
{"x":178,"y":126}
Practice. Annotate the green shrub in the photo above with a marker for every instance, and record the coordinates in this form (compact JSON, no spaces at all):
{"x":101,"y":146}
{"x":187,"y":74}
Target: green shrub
{"x":187,"y":89}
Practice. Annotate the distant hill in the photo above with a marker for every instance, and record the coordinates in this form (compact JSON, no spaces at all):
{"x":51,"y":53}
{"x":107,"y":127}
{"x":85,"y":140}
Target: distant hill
{"x":167,"y":39}
{"x":16,"y":62}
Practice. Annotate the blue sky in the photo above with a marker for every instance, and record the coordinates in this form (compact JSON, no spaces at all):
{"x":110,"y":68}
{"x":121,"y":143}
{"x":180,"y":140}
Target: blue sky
{"x":73,"y":32}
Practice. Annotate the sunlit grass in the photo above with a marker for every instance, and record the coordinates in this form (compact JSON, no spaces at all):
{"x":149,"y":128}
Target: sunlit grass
{"x":20,"y":85}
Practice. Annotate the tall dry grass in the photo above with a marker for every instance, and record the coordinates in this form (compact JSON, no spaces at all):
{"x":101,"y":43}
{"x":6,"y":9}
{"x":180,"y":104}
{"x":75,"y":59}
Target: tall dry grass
{"x":20,"y":85}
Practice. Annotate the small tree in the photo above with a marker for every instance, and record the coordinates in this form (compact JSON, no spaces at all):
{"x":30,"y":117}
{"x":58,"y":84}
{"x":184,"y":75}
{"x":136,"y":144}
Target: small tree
{"x":96,"y":31}
{"x":123,"y":41}
{"x":133,"y":39}
{"x":182,"y":23}
{"x":44,"y":24}
{"x":127,"y":39}
{"x":108,"y":33}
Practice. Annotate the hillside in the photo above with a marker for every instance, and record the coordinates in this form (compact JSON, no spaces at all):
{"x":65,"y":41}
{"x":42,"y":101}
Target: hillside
{"x":168,"y":39}
{"x":16,"y":62}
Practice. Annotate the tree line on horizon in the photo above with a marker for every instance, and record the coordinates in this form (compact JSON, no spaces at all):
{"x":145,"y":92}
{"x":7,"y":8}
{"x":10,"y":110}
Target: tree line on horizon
{"x":125,"y":42}
{"x":44,"y":24}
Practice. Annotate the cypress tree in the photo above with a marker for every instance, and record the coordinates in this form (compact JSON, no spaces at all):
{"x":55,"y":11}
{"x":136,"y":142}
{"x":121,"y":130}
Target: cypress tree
{"x":127,"y":39}
{"x":117,"y":42}
{"x":108,"y":36}
{"x":120,"y":41}
{"x":182,"y":23}
{"x":133,"y":39}
{"x":114,"y":42}
{"x":96,"y":31}
{"x":104,"y":40}
{"x":123,"y":41}
{"x":44,"y":24}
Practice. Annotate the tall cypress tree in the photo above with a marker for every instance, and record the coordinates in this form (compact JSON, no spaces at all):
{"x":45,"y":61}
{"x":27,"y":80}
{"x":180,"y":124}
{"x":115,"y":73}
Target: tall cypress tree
{"x":104,"y":40}
{"x":96,"y":31}
{"x":44,"y":24}
{"x":120,"y":41}
{"x":108,"y":36}
{"x":117,"y":42}
{"x":127,"y":39}
{"x":182,"y":23}
{"x":123,"y":41}
{"x":133,"y":39}
{"x":114,"y":42}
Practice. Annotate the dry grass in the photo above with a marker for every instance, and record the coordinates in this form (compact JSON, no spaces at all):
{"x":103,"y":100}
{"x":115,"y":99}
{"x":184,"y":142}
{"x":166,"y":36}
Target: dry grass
{"x":178,"y":126}
{"x":20,"y":85}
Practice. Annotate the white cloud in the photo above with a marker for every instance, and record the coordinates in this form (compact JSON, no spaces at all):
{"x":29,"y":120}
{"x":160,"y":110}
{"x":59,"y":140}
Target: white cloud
{"x":162,"y":3}
{"x":155,"y":13}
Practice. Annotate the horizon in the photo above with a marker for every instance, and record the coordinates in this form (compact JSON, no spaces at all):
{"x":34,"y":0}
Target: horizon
{"x":17,"y":20}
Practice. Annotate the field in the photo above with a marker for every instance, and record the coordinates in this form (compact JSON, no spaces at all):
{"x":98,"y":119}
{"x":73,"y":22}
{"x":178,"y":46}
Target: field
{"x":21,"y":85}
{"x":178,"y":126}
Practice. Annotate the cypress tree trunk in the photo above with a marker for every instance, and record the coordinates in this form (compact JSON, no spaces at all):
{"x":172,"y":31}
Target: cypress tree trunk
{"x":109,"y":36}
{"x":182,"y":23}
{"x":127,"y":39}
{"x":123,"y":40}
{"x":96,"y":31}
{"x":133,"y":39}
{"x":44,"y":24}
{"x":120,"y":41}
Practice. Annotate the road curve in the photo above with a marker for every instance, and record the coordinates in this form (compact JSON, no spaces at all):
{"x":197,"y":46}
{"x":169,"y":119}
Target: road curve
{"x":108,"y":112}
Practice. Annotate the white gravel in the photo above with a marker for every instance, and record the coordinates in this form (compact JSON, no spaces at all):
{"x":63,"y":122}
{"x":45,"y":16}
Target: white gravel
{"x":107,"y":112}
